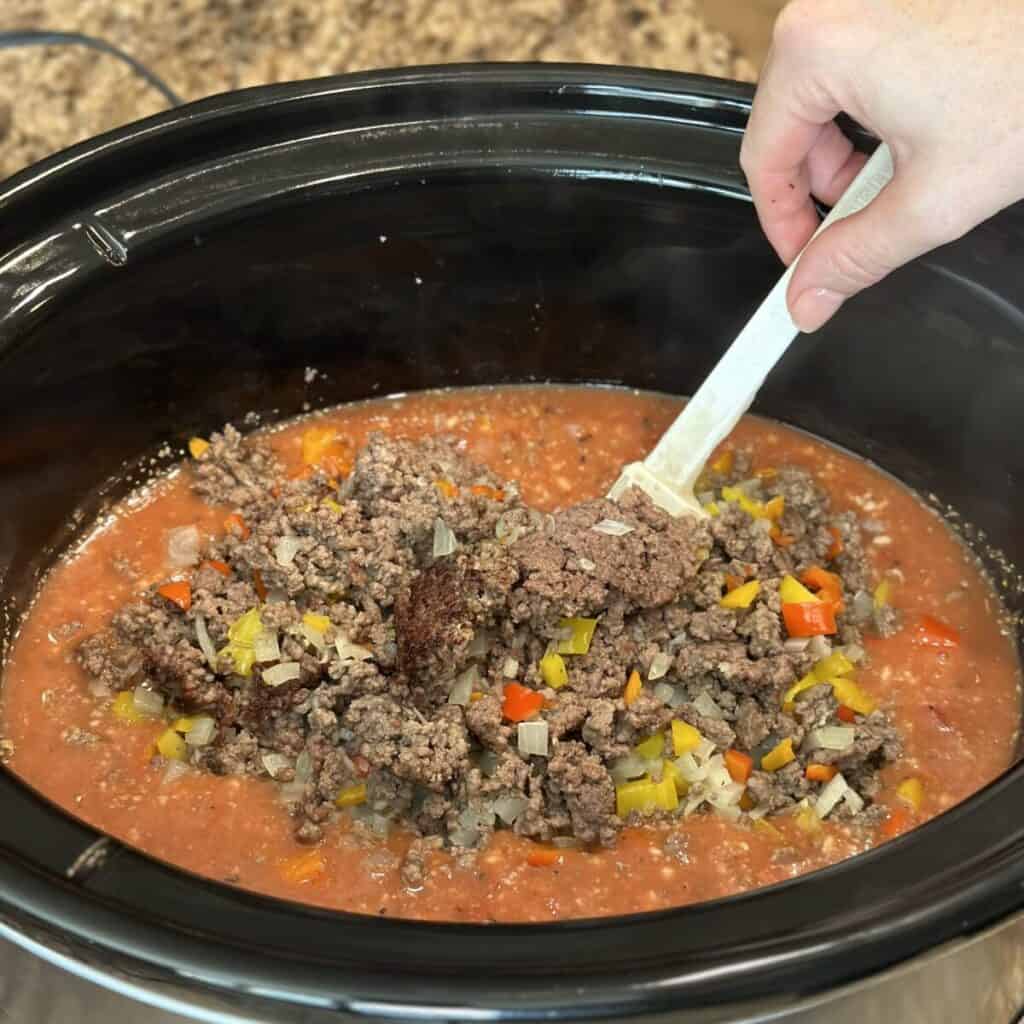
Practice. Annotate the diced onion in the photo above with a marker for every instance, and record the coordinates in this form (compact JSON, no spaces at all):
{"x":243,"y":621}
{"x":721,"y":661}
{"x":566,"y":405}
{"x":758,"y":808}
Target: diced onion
{"x":862,"y":607}
{"x":174,"y":771}
{"x":283,"y":673}
{"x":377,"y":823}
{"x":678,"y":641}
{"x":764,"y":525}
{"x":587,"y":565}
{"x":796,"y":644}
{"x":182,"y":547}
{"x":819,"y":648}
{"x":275,"y":764}
{"x":202,"y":731}
{"x":508,"y":808}
{"x":488,"y":763}
{"x":266,"y":647}
{"x":833,"y":792}
{"x":612,"y":528}
{"x":689,"y":769}
{"x":830,"y":737}
{"x":464,"y":836}
{"x":147,"y":702}
{"x":626,"y":768}
{"x":533,"y":739}
{"x":205,"y":642}
{"x":678,"y":698}
{"x":348,"y":651}
{"x":286,"y":549}
{"x":664,"y":692}
{"x":303,"y":766}
{"x":444,"y":540}
{"x":510,"y":669}
{"x":312,"y":636}
{"x":853,"y":800}
{"x":660,"y":664}
{"x":706,"y":707}
{"x":704,"y":750}
{"x":854,"y":652}
{"x":731,"y":812}
{"x":464,"y":685}
{"x":479,"y":645}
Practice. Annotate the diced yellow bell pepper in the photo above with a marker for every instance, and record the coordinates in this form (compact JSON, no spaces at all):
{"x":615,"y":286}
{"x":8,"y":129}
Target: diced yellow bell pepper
{"x":723,"y":464}
{"x":774,"y":507}
{"x":197,"y":447}
{"x":651,"y":748}
{"x":315,"y":621}
{"x":183,"y":725}
{"x":331,"y":504}
{"x":883,"y":594}
{"x":124,"y":708}
{"x":911,"y":791}
{"x":849,"y":694}
{"x":712,"y":508}
{"x":684,"y":737}
{"x":836,"y":664}
{"x":779,"y":756}
{"x":553,"y":670}
{"x":670,"y":771}
{"x":768,"y":829}
{"x":447,"y":489}
{"x":807,"y":820}
{"x":742,"y":597}
{"x":737,"y":496}
{"x":634,"y":796}
{"x":582,"y":633}
{"x":666,"y":796}
{"x":352,"y":796}
{"x":792,"y":591}
{"x":171,"y":745}
{"x":633,"y":687}
{"x":797,"y":688}
{"x":246,"y":628}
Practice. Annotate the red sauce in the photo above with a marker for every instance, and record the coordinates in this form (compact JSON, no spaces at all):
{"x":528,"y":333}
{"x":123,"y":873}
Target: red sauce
{"x":958,"y":709}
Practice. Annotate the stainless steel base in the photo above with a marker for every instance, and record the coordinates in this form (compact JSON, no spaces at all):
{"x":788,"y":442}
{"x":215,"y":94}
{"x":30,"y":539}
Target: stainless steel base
{"x":973,"y":981}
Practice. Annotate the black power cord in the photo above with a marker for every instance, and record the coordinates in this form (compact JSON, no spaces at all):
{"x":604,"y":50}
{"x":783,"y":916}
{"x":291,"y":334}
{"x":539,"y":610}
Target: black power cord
{"x":47,"y":37}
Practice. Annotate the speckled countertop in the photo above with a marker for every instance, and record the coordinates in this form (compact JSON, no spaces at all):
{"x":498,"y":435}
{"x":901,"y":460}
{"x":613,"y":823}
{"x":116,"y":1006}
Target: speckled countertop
{"x":53,"y":96}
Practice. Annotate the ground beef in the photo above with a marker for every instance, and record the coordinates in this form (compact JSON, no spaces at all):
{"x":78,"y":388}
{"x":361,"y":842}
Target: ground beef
{"x":342,"y":575}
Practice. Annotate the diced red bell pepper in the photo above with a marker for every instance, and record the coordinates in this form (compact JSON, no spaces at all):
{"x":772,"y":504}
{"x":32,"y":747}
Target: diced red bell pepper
{"x":837,"y":544}
{"x":178,"y":592}
{"x":845,"y":714}
{"x":542,"y":857}
{"x":931,"y":632}
{"x":817,"y":618}
{"x":521,"y":702}
{"x":827,"y":584}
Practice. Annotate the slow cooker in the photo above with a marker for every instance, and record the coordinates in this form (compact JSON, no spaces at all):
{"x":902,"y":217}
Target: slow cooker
{"x":281,"y":248}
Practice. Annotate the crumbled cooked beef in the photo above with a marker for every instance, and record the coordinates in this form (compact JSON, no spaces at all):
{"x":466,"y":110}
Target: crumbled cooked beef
{"x":379,"y":637}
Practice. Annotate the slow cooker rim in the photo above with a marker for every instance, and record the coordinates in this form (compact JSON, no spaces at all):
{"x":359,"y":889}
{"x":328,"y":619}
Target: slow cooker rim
{"x":84,"y":911}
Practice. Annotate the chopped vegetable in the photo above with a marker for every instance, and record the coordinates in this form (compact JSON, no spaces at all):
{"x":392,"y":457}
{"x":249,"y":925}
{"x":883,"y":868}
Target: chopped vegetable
{"x":670,"y":770}
{"x":508,"y":808}
{"x":463,"y":687}
{"x":222,"y":567}
{"x":242,"y":634}
{"x":911,"y":791}
{"x":836,"y":664}
{"x":774,"y":507}
{"x":286,"y":549}
{"x":580,"y":633}
{"x":931,"y":632}
{"x":792,"y":591}
{"x":850,"y":695}
{"x":741,"y":597}
{"x":320,"y":623}
{"x":830,"y":737}
{"x":821,"y":772}
{"x":124,"y":708}
{"x":552,"y":670}
{"x":324,"y":446}
{"x":171,"y":746}
{"x":645,"y":796}
{"x":732,"y":582}
{"x":259,"y":586}
{"x":147,"y":702}
{"x":810,"y":680}
{"x":766,"y":473}
{"x":835,"y":789}
{"x":348,"y":651}
{"x":767,"y":828}
{"x":684,"y":737}
{"x":351,"y":796}
{"x":200,"y":731}
{"x":651,"y":748}
{"x":236,"y":524}
{"x":178,"y":592}
{"x":303,"y":867}
{"x":845,"y":714}
{"x":828,"y":585}
{"x":197,"y":447}
{"x":330,"y":503}
{"x":896,"y":824}
{"x":533,"y":739}
{"x":780,"y":539}
{"x":612,"y":528}
{"x":737,"y":496}
{"x":182,"y":547}
{"x":543,"y":857}
{"x":779,"y":756}
{"x":491,"y":493}
{"x":633,"y":688}
{"x":278,"y":675}
{"x":182,"y":725}
{"x":740,"y":765}
{"x":818,"y":619}
{"x":837,"y":544}
{"x":882,"y":594}
{"x":447,"y":488}
{"x":660,"y":664}
{"x":806,"y":819}
{"x":444,"y":540}
{"x":266,"y":647}
{"x":520,"y":702}
{"x":723,"y":462}
{"x":705,"y":706}
{"x":712,"y":509}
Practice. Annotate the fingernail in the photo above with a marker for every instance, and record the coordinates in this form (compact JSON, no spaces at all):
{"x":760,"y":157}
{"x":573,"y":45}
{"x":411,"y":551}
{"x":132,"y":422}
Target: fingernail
{"x":814,"y":307}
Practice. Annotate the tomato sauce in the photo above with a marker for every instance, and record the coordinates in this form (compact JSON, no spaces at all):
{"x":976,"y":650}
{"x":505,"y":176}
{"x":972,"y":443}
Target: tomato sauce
{"x":957,"y":708}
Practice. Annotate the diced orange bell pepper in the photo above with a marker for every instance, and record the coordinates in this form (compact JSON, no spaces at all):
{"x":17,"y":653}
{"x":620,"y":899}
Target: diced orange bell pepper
{"x":542,"y":857}
{"x":782,"y":540}
{"x":845,"y":714}
{"x":521,"y":702}
{"x":732,"y":582}
{"x":491,"y":493}
{"x":447,"y":489}
{"x":740,"y":765}
{"x":236,"y":524}
{"x":837,"y":544}
{"x":827,"y":584}
{"x":932,"y":632}
{"x":303,"y":867}
{"x":324,"y":446}
{"x":258,"y":585}
{"x":897,"y":823}
{"x":723,"y":463}
{"x":633,"y":688}
{"x":821,"y":772}
{"x":806,"y":619}
{"x":222,"y":567}
{"x":178,"y":592}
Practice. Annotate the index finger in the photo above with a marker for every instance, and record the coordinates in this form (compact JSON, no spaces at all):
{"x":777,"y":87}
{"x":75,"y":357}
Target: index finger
{"x":782,"y":131}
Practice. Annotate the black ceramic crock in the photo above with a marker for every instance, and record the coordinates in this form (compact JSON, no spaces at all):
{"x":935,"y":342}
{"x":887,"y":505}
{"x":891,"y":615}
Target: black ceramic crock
{"x":447,"y":227}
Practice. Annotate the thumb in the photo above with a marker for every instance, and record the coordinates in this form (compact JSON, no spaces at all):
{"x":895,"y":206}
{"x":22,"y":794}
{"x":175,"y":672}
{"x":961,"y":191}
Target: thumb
{"x":859,"y":251}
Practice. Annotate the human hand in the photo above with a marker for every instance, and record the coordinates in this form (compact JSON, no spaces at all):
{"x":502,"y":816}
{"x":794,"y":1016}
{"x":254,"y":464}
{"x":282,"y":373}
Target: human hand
{"x":940,"y":81}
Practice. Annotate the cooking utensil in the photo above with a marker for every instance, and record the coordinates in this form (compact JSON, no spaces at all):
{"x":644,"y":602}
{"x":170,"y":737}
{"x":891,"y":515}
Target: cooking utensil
{"x":670,"y":471}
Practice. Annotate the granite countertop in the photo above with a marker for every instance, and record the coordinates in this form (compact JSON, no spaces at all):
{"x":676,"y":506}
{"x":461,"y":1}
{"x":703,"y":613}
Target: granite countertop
{"x":53,"y":96}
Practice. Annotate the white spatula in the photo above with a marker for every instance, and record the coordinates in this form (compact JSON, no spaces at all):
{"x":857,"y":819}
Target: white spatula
{"x":669,"y":473}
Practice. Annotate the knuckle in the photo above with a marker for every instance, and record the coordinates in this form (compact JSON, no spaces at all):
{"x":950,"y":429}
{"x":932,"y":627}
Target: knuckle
{"x":857,"y":266}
